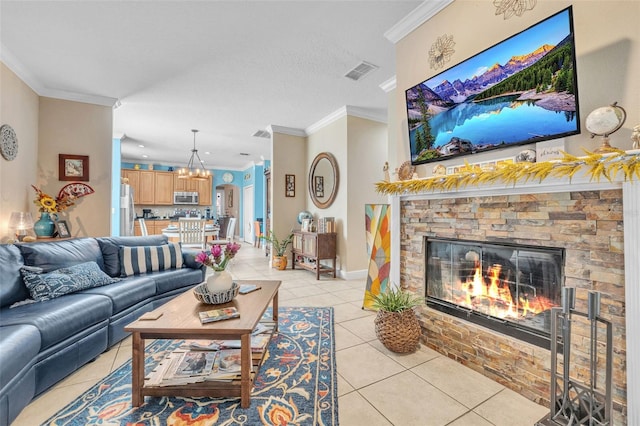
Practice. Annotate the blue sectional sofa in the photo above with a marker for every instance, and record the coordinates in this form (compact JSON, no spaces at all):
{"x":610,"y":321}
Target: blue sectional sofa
{"x":82,"y":309}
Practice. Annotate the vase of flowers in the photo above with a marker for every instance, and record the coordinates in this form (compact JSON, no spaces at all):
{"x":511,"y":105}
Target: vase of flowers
{"x":48,"y":208}
{"x":45,"y":227}
{"x":217,"y":258}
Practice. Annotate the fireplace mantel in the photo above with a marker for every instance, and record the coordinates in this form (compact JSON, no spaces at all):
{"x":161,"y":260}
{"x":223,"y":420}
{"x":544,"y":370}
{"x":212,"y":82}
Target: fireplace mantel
{"x":631,"y":219}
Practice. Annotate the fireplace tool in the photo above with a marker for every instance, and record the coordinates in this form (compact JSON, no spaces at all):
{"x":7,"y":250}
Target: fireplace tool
{"x":574,"y":402}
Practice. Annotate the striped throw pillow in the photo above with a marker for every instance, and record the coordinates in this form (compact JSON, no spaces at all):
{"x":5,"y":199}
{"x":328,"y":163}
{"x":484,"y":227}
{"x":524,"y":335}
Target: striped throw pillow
{"x":142,"y":259}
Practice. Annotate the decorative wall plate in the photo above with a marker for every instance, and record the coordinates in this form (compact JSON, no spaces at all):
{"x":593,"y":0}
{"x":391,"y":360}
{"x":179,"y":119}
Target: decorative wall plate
{"x":76,"y":189}
{"x":405,"y":172}
{"x":8,"y":142}
{"x":227,"y":177}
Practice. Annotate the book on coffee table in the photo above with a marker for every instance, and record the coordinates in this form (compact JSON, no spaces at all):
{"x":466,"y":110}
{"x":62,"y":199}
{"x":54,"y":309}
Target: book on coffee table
{"x":219,"y":314}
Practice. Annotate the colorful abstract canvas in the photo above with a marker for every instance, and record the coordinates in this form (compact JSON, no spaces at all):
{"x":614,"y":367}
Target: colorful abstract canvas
{"x":378,"y":236}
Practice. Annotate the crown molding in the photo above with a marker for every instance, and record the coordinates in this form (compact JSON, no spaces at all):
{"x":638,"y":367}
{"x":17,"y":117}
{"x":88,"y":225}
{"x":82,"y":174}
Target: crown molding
{"x":366,"y":114}
{"x":389,"y":85}
{"x":343,"y":112}
{"x":286,"y":130}
{"x":335,"y":115}
{"x":12,"y":62}
{"x":78,"y":97}
{"x":414,"y":19}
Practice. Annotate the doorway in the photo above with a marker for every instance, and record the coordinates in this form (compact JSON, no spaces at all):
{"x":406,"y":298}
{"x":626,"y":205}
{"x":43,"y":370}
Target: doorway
{"x":247,"y":213}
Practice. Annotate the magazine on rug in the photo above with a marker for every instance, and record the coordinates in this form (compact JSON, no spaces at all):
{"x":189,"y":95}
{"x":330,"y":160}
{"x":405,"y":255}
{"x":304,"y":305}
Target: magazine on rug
{"x":195,"y":363}
{"x":258,"y":343}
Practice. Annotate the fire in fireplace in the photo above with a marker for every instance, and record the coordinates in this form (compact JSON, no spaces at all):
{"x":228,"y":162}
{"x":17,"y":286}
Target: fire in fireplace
{"x":509,"y":288}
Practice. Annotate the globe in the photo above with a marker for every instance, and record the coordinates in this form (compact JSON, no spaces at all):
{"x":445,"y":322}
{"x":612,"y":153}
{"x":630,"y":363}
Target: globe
{"x":304,"y":215}
{"x":606,"y":120}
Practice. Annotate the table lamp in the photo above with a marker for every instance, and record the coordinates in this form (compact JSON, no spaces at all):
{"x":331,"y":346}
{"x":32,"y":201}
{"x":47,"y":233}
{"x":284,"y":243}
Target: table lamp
{"x":21,"y":223}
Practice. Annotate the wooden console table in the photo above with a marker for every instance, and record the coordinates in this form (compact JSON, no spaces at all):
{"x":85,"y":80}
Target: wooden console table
{"x":180,"y":320}
{"x":309,"y":248}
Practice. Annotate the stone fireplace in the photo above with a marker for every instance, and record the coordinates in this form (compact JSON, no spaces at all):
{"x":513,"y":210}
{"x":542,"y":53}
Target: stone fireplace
{"x":509,"y":288}
{"x":581,"y":226}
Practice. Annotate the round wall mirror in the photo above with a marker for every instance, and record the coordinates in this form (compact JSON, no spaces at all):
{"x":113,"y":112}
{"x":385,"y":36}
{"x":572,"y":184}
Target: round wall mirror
{"x":323,"y":180}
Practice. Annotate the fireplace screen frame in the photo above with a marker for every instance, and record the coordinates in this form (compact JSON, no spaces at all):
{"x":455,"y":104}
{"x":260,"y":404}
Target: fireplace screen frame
{"x":517,"y":329}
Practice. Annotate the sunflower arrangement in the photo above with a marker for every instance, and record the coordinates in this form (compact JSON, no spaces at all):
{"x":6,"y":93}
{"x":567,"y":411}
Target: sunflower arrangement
{"x":46,"y":203}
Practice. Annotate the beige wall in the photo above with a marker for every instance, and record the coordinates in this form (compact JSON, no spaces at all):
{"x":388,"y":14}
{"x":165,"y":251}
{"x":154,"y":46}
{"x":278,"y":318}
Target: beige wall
{"x":67,"y":127}
{"x":332,"y":138}
{"x":288,"y":155}
{"x":366,"y":153}
{"x":45,"y":128}
{"x":608,"y":61}
{"x":19,"y":109}
{"x":360,"y":149}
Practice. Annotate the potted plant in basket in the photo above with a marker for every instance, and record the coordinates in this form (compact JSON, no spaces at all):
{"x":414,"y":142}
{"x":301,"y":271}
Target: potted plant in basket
{"x":396,"y":323}
{"x":279,"y":248}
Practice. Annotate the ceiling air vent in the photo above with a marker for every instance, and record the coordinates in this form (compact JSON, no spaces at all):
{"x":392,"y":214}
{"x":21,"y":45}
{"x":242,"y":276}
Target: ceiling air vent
{"x":361,"y":70}
{"x":262,"y":134}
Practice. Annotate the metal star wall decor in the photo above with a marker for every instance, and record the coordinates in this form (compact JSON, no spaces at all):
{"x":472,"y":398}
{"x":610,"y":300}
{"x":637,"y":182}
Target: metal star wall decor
{"x":511,"y":7}
{"x":441,"y":51}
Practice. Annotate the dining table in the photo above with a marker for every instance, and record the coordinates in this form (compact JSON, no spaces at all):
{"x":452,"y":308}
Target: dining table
{"x":209,"y":231}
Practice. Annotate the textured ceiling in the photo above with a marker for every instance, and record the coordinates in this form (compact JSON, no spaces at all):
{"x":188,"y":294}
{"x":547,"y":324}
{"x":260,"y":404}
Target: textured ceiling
{"x":227,"y":68}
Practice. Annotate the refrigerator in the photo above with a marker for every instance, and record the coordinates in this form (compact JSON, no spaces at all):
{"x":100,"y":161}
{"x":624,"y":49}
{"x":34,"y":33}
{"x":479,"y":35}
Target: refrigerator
{"x":127,"y":211}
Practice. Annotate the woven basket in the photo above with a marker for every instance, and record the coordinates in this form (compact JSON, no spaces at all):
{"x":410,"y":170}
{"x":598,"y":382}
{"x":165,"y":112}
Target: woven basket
{"x":398,"y":331}
{"x":203,"y":295}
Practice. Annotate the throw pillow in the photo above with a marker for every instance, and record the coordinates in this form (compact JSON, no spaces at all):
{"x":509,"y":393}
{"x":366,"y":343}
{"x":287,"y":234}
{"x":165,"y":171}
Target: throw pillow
{"x":64,"y":280}
{"x":143,"y":259}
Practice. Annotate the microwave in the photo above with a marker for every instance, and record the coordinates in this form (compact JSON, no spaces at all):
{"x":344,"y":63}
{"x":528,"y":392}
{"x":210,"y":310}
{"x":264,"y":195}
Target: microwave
{"x":185,"y":198}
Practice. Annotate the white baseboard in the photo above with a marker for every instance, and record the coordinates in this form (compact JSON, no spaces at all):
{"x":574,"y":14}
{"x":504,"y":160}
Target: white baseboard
{"x":352,"y":275}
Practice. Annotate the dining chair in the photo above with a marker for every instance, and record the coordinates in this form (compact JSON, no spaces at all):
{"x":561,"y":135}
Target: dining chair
{"x":231,"y":230}
{"x":143,"y":228}
{"x":191,"y":232}
{"x":257,"y":233}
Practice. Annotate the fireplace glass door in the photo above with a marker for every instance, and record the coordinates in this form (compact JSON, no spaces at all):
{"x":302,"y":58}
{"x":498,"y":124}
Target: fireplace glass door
{"x":515,"y":286}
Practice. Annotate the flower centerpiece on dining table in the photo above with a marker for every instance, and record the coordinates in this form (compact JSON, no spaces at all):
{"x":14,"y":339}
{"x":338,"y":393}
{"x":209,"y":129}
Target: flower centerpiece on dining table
{"x":217,"y":258}
{"x":47,"y":206}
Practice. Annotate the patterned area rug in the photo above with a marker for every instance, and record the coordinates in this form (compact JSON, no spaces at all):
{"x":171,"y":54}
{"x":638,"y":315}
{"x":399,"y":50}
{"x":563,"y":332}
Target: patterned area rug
{"x":296,"y":385}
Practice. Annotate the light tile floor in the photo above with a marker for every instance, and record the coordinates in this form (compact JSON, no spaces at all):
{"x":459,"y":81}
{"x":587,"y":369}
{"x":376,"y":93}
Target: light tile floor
{"x":375,"y":386}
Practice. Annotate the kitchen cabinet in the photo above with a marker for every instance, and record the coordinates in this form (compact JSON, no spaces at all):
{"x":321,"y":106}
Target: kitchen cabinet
{"x":146,"y":187}
{"x":163,"y":188}
{"x":203,"y":187}
{"x":309,"y":248}
{"x":205,"y":196}
{"x":134,"y":181}
{"x":159,"y":225}
{"x":184,"y":185}
{"x":157,"y":187}
{"x":154,"y":227}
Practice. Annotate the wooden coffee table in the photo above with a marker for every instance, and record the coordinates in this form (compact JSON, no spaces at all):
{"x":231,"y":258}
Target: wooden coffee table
{"x":180,"y":320}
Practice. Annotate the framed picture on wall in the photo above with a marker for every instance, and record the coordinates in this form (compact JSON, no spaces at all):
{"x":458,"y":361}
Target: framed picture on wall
{"x":73,"y":167}
{"x":290,"y":185}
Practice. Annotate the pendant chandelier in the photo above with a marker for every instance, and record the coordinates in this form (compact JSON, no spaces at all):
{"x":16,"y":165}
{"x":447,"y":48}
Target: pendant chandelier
{"x":193,"y":171}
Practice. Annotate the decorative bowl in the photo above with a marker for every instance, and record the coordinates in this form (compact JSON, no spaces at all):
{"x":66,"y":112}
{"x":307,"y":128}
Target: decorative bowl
{"x":203,"y":295}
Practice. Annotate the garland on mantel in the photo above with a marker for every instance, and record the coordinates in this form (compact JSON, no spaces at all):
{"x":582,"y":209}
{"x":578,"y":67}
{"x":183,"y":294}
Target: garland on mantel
{"x":596,"y":165}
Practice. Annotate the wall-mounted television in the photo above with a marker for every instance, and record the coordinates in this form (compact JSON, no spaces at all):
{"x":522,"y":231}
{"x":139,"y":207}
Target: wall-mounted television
{"x":521,"y":90}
